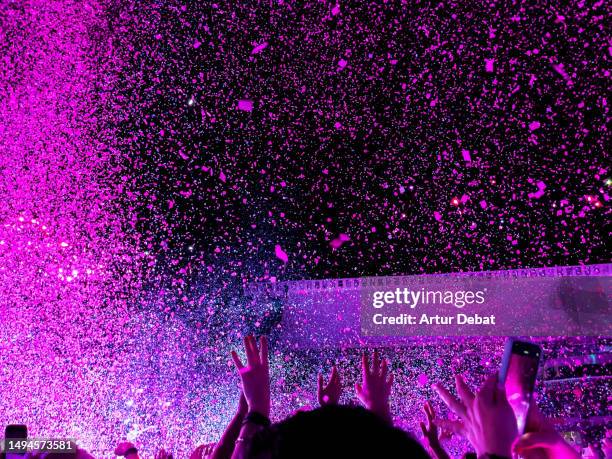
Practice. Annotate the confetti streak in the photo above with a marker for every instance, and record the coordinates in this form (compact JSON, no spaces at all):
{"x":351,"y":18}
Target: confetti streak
{"x":259,"y":48}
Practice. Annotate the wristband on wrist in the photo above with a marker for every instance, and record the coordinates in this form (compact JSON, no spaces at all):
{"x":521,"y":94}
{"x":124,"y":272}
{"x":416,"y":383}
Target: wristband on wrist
{"x":256,"y":418}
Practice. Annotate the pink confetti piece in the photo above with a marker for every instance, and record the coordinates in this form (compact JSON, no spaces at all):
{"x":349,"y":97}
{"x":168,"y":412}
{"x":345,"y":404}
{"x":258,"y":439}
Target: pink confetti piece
{"x":245,"y":105}
{"x":538,"y":194}
{"x":437,"y":216}
{"x":281,"y":254}
{"x":489,"y":65}
{"x":337,"y":242}
{"x":560,"y":69}
{"x":534,"y":125}
{"x":259,"y":48}
{"x":466,"y":156}
{"x":342,"y":63}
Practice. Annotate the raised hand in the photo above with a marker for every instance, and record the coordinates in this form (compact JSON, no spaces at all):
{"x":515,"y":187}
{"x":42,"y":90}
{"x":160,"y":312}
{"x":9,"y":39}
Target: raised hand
{"x":488,"y":421}
{"x":542,"y":440}
{"x":329,"y":394}
{"x":430,"y":432}
{"x":255,"y":375}
{"x":375,"y":387}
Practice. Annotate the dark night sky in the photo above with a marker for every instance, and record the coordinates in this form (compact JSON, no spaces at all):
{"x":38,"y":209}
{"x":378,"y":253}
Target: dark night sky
{"x":373,"y":149}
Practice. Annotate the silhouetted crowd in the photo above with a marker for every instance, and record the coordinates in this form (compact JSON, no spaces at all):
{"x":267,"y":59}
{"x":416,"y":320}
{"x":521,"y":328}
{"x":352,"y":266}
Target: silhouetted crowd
{"x":483,"y":417}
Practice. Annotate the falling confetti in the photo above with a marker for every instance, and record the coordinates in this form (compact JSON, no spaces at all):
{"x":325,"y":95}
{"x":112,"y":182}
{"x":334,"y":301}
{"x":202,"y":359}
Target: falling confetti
{"x":281,"y":254}
{"x":245,"y":105}
{"x":341,"y":239}
{"x":153,"y":153}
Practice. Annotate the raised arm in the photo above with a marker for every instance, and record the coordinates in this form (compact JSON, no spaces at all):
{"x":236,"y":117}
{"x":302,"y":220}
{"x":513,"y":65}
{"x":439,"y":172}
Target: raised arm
{"x":541,"y":440}
{"x":487,"y":419}
{"x":255,"y":377}
{"x":329,"y":394}
{"x":375,"y":387}
{"x":225,"y":447}
{"x":430,"y":432}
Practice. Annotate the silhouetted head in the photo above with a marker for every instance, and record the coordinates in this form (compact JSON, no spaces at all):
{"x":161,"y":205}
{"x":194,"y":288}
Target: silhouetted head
{"x":335,"y":432}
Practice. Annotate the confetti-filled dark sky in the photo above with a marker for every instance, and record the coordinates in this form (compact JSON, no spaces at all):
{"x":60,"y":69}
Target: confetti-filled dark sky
{"x":157,"y":155}
{"x":435,"y":136}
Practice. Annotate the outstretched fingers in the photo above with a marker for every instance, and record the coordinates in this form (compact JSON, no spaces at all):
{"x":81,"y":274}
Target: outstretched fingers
{"x":237,"y":360}
{"x":463,"y":390}
{"x":384,"y":369}
{"x":488,"y":391}
{"x":429,"y":412}
{"x":254,"y":356}
{"x":365,"y":365}
{"x":335,"y":376}
{"x":251,"y":350}
{"x":389,"y":383}
{"x":450,"y":400}
{"x":263,"y":351}
{"x":359,"y":392}
{"x":376,"y":363}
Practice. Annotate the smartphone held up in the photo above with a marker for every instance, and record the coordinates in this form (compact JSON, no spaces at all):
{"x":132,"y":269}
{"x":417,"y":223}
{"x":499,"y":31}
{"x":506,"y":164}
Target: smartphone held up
{"x":519,"y":370}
